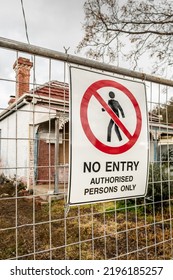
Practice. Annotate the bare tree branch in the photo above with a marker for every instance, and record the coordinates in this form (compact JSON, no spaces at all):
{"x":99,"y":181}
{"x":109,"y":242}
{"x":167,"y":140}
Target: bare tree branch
{"x":138,"y":26}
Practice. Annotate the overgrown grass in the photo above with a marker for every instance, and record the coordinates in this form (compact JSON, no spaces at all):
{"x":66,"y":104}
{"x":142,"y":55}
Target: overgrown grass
{"x":131,"y":229}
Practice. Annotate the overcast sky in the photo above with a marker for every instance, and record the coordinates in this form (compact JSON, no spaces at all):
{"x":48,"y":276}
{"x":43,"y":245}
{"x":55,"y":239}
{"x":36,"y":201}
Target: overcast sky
{"x":52,"y":24}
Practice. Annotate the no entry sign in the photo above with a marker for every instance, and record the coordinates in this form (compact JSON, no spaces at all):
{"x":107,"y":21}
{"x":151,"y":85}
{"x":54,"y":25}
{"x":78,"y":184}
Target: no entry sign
{"x":108,"y":136}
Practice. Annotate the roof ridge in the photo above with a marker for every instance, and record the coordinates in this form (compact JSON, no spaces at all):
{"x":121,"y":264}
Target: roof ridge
{"x":49,"y":84}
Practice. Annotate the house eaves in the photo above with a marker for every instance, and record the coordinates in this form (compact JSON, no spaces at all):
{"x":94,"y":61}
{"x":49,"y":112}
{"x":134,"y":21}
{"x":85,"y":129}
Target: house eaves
{"x":30,"y":98}
{"x":13,"y":108}
{"x":161,"y":128}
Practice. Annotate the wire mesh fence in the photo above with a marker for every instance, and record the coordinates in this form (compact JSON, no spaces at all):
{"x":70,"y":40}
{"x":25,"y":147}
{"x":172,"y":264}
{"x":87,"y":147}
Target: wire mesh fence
{"x":34,"y":166}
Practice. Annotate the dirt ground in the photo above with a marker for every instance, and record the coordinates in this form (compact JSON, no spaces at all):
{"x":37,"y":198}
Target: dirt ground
{"x":34,"y":229}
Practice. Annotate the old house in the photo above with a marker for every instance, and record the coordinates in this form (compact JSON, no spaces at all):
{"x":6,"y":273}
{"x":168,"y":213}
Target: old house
{"x":34,"y":130}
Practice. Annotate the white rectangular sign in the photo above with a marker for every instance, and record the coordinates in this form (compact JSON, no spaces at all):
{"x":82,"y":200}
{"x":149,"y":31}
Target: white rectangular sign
{"x":108,"y":136}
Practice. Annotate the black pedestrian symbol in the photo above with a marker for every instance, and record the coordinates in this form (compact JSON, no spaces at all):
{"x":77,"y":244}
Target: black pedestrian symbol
{"x":116,"y":108}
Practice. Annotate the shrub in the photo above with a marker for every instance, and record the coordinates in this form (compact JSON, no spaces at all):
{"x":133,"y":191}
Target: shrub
{"x":159,"y":183}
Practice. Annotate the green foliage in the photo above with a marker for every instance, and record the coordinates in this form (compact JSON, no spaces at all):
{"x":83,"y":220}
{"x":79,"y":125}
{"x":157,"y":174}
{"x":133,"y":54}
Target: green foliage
{"x":167,"y":158}
{"x":160,"y":187}
{"x":166,"y":110}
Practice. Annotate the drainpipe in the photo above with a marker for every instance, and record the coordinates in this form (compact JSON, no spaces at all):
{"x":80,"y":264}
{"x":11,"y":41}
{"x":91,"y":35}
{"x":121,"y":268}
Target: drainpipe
{"x":56,"y":190}
{"x":36,"y":156}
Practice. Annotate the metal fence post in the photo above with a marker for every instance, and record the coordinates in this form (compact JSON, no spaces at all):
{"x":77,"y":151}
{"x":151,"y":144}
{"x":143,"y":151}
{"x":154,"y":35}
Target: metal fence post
{"x":56,"y":189}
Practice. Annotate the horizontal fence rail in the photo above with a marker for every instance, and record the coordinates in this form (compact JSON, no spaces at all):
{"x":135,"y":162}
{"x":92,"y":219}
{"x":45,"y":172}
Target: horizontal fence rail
{"x":35,"y":50}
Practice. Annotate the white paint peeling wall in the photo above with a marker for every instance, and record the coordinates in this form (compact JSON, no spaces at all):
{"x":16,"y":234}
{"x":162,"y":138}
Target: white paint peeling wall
{"x":15,"y":135}
{"x":14,"y":143}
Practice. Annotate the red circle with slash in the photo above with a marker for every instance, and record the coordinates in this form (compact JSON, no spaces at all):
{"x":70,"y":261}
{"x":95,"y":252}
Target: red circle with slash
{"x":93,"y":91}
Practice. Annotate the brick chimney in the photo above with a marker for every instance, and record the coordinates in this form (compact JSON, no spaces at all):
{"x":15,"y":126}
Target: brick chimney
{"x":22,"y":67}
